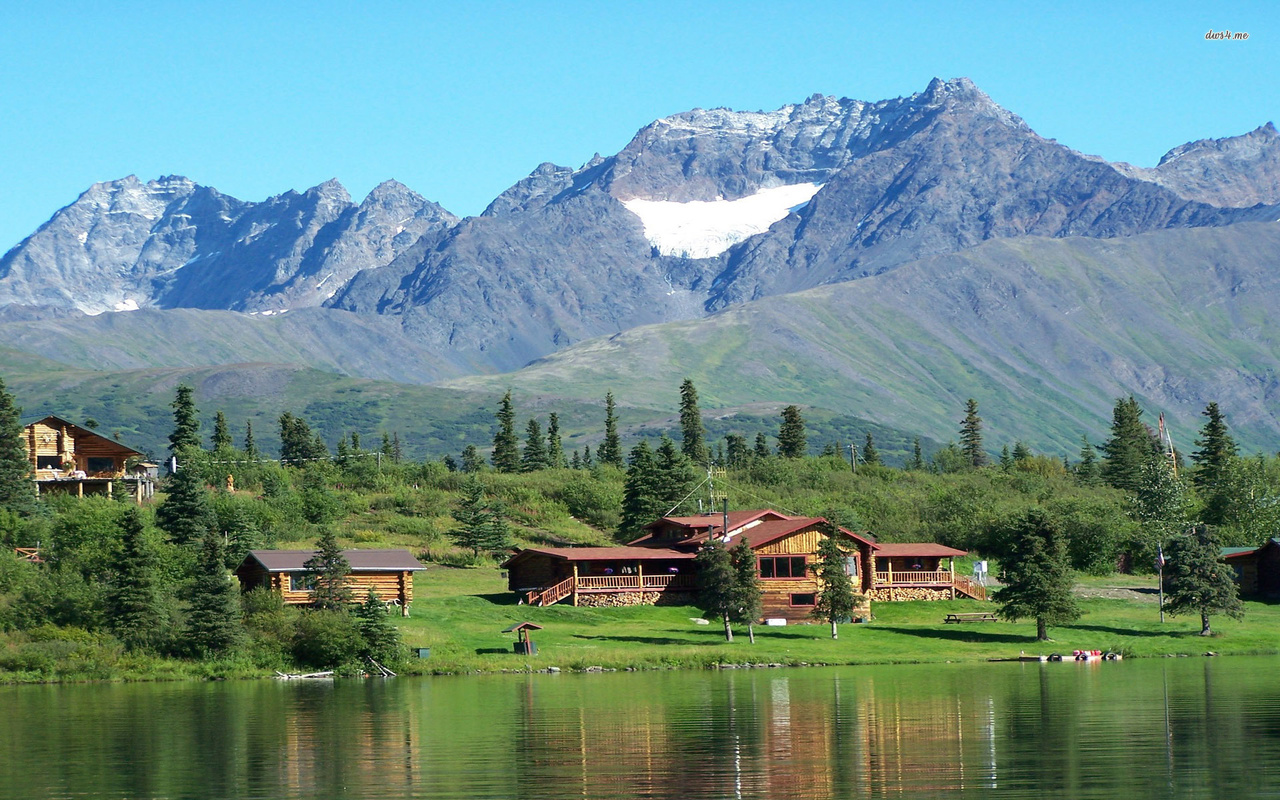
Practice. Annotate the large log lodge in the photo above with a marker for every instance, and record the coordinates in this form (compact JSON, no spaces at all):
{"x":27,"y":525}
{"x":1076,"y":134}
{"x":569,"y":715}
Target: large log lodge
{"x":658,"y":568}
{"x":68,"y":458}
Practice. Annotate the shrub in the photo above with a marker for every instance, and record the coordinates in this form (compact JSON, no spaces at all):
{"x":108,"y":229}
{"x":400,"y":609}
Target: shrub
{"x":327,"y":639}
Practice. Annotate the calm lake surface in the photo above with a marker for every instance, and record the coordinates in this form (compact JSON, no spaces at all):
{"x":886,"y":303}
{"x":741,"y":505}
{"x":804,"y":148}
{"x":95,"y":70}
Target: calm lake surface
{"x":1192,"y":727}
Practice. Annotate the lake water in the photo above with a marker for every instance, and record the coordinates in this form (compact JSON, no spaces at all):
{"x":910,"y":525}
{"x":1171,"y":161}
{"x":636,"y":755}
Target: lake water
{"x":1199,"y":727}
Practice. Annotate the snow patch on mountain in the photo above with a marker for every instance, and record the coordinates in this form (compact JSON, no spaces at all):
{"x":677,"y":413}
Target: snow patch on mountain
{"x":705,"y":229}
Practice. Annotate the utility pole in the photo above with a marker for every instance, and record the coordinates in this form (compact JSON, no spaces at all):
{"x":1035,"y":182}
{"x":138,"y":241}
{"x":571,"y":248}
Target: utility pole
{"x":853,"y":457}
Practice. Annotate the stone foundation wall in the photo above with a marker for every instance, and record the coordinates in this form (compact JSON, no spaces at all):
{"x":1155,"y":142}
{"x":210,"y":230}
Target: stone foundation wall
{"x":891,"y":593}
{"x":654,"y":598}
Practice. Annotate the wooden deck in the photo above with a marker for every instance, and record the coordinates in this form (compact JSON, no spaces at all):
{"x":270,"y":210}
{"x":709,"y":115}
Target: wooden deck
{"x":604,"y":584}
{"x":939,"y":579}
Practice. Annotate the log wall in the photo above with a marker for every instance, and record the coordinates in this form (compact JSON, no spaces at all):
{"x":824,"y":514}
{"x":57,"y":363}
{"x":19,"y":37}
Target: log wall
{"x":675,"y":597}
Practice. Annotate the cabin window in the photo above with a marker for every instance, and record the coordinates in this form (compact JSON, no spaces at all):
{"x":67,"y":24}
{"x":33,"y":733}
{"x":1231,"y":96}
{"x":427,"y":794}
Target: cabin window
{"x":302,"y":582}
{"x":782,"y":567}
{"x":804,"y":599}
{"x":882,"y":565}
{"x":48,"y":462}
{"x":851,"y":565}
{"x":99,"y":464}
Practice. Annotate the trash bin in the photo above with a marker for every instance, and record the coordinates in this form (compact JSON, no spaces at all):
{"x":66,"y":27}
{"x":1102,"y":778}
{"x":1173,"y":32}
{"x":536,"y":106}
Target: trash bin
{"x":424,"y":652}
{"x":526,"y":648}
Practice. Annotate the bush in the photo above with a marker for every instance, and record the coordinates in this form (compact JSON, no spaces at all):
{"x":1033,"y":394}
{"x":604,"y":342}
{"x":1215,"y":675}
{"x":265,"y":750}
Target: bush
{"x":327,"y":639}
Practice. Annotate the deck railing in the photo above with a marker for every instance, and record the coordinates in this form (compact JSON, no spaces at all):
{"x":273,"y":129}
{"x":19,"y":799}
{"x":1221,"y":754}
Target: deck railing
{"x":608,"y":583}
{"x":970,"y":587}
{"x":935,"y":577}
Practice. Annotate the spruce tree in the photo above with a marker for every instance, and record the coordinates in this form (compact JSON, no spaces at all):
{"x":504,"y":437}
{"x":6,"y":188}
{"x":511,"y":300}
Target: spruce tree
{"x":1197,"y":580}
{"x":471,"y":514}
{"x":610,"y":450}
{"x":298,"y":444}
{"x":674,"y":474}
{"x":397,"y":454}
{"x":328,"y":570}
{"x":221,"y":433}
{"x":472,"y":461}
{"x":133,"y":599}
{"x":449,"y":463}
{"x":761,"y":449}
{"x":870,"y":455}
{"x":917,"y":456}
{"x":17,"y":489}
{"x":736,"y":452}
{"x":185,"y":513}
{"x":1087,"y":471}
{"x":575,"y":461}
{"x":555,"y":447}
{"x":836,"y":598}
{"x":692,"y":433}
{"x":642,"y":501}
{"x":496,"y":532}
{"x":716,"y":583}
{"x":791,"y":436}
{"x":506,"y":446}
{"x":1036,"y":576}
{"x":586,"y":457}
{"x":250,"y":446}
{"x":1129,"y":447}
{"x":1214,"y":461}
{"x":381,"y":638}
{"x":971,"y":436}
{"x":1006,"y":460}
{"x":213,"y":620}
{"x":186,"y":422}
{"x":746,"y":601}
{"x":1020,"y":452}
{"x":534,"y":457}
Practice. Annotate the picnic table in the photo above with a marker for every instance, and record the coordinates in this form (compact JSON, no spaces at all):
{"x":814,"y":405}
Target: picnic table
{"x":976,"y":616}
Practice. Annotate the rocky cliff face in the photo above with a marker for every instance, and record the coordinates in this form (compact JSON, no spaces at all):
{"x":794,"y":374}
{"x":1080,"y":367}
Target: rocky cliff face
{"x":172,"y":243}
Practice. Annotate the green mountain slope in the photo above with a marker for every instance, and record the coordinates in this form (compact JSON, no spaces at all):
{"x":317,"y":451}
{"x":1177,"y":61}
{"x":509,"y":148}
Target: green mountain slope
{"x":1044,"y":333}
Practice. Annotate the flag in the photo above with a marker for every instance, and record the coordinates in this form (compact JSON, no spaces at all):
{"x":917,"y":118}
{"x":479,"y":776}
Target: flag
{"x":1160,"y":562}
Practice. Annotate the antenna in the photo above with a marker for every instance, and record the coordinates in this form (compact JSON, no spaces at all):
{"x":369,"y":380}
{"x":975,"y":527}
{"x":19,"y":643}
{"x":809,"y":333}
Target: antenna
{"x":718,"y":496}
{"x":1167,"y":440}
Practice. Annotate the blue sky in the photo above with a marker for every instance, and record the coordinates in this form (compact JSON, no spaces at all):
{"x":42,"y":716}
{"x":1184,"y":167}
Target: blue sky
{"x":460,"y":100}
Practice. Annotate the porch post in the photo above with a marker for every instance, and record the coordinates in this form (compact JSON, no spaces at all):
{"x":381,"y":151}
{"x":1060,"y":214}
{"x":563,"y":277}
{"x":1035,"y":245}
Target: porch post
{"x":640,"y":574}
{"x":951,"y":567}
{"x":575,"y":584}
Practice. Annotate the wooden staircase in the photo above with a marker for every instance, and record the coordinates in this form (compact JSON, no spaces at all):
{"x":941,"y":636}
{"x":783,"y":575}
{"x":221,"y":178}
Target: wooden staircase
{"x":551,"y":595}
{"x":968,"y":587}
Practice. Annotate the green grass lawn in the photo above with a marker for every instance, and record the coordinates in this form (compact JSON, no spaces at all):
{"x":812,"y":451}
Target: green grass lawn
{"x":460,"y":614}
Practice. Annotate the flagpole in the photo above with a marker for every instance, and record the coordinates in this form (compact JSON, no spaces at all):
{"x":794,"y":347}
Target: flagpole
{"x":1160,"y":570}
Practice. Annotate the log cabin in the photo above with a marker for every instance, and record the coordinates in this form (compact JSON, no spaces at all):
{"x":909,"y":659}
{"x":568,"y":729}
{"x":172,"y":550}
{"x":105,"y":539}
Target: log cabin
{"x":1256,"y":569}
{"x":921,"y":571}
{"x":388,"y":572}
{"x":658,"y":568}
{"x":68,"y":458}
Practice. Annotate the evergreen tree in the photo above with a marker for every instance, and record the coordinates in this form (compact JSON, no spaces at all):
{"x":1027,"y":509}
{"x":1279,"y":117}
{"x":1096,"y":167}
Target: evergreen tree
{"x":506,"y":447}
{"x":586,"y":457}
{"x":185,"y":513}
{"x":343,"y":457}
{"x":250,"y":446}
{"x":746,"y":601}
{"x":692,"y":433}
{"x":534,"y":457}
{"x":836,"y":598}
{"x":1006,"y":460}
{"x":1197,"y":580}
{"x":472,"y":515}
{"x":381,"y":638}
{"x":298,"y":444}
{"x":17,"y":489}
{"x":449,"y":463}
{"x":472,"y":461}
{"x":1020,"y":452}
{"x":327,"y":570}
{"x":221,"y":433}
{"x":1214,"y":461}
{"x":791,"y":437}
{"x":397,"y":455}
{"x":1129,"y":447}
{"x":1088,"y":472}
{"x":496,"y":532}
{"x":555,"y":447}
{"x":1036,"y":576}
{"x":386,"y":448}
{"x":133,"y":599}
{"x":575,"y":461}
{"x":762,"y":446}
{"x":736,"y":452}
{"x":830,"y":450}
{"x":610,"y":450}
{"x":642,"y":500}
{"x":917,"y":456}
{"x":355,"y":442}
{"x":675,"y":476}
{"x":716,"y":584}
{"x":186,"y":423}
{"x":971,"y":436}
{"x":870,"y":455}
{"x":213,"y":621}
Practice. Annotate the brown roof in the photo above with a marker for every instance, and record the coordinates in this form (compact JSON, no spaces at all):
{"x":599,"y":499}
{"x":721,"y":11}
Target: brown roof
{"x":706,"y":523}
{"x":360,"y":560}
{"x":923,"y":550}
{"x":79,"y":432}
{"x":605,"y":553}
{"x":772,"y":530}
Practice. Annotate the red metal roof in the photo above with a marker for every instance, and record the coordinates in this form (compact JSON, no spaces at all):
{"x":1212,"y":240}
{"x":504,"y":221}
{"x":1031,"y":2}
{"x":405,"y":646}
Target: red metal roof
{"x":360,"y":560}
{"x":922,"y":549}
{"x":772,"y":530}
{"x":606,"y":553}
{"x":698,"y":526}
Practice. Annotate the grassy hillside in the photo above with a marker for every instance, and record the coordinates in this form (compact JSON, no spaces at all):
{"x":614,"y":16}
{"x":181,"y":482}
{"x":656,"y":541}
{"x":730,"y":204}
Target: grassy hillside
{"x":1045,"y":334}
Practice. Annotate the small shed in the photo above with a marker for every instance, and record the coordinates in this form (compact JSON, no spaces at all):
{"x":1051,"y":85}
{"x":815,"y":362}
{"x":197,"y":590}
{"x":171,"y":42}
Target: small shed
{"x":388,"y":572}
{"x":1256,"y":569}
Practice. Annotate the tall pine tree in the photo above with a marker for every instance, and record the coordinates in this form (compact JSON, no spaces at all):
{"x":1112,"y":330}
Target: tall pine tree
{"x":971,"y":436}
{"x":250,"y":446}
{"x":870,"y":455}
{"x":221,"y":433}
{"x":534,"y":457}
{"x":716,"y":582}
{"x":642,"y":500}
{"x":133,"y":598}
{"x":555,"y":447}
{"x":692,"y":434}
{"x":185,"y":513}
{"x":1197,"y":580}
{"x":1130,"y":446}
{"x":506,"y":446}
{"x":836,"y":598}
{"x":747,"y":598}
{"x":17,"y":489}
{"x":610,"y":450}
{"x":327,"y":572}
{"x":1214,"y":460}
{"x":213,"y":619}
{"x":186,"y":422}
{"x":791,"y":436}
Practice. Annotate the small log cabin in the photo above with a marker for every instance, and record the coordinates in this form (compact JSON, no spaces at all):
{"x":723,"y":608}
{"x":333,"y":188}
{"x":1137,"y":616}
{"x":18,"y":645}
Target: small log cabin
{"x":658,"y":568}
{"x":921,"y":571}
{"x":388,"y":572}
{"x":1256,"y":569}
{"x":68,"y":458}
